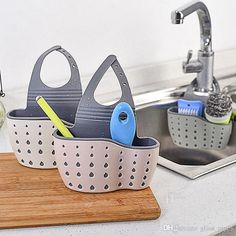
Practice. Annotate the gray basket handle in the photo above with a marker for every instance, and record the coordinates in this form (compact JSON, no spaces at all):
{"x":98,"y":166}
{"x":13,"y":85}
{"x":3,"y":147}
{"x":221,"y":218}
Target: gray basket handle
{"x":65,"y":97}
{"x":93,"y":119}
{"x":110,"y":61}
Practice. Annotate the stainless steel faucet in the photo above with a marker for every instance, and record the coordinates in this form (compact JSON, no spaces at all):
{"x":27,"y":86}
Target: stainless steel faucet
{"x":205,"y":82}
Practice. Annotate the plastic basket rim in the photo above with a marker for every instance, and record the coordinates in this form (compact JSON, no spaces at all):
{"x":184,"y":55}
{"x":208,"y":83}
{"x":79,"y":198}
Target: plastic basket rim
{"x":76,"y":139}
{"x":172,"y":111}
{"x":32,"y":118}
{"x":12,"y":117}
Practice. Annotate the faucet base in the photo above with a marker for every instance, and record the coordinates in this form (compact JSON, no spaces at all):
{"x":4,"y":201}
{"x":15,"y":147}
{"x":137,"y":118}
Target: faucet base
{"x":193,"y":92}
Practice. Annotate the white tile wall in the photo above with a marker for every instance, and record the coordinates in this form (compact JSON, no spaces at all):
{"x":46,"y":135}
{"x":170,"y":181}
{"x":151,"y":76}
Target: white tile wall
{"x":138,"y":32}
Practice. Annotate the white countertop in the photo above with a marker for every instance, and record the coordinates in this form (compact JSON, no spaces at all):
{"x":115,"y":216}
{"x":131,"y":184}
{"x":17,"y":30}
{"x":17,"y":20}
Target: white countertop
{"x":189,"y":207}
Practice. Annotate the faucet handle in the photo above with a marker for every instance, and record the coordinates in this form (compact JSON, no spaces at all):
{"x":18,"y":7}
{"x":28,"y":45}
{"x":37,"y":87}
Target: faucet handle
{"x":194,"y":66}
{"x":189,"y":56}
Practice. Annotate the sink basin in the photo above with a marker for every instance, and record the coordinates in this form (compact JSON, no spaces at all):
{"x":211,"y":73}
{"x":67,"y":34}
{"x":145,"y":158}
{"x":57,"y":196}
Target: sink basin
{"x":192,"y":163}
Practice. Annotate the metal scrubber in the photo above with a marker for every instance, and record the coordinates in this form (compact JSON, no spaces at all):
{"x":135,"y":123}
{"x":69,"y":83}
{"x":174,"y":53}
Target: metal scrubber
{"x":218,"y":105}
{"x":218,"y":108}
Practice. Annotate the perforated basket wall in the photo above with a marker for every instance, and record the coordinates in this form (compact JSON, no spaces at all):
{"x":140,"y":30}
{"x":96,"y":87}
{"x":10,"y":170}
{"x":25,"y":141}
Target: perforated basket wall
{"x":32,"y":142}
{"x":102,"y":165}
{"x":196,"y":132}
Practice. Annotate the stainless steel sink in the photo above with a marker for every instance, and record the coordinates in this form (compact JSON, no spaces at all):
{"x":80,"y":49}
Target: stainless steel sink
{"x":192,"y":163}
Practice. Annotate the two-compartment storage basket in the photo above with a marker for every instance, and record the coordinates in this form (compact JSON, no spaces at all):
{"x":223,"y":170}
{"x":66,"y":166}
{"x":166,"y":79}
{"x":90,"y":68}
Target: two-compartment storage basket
{"x":94,"y":163}
{"x":196,"y":132}
{"x":30,"y":129}
{"x":103,"y":165}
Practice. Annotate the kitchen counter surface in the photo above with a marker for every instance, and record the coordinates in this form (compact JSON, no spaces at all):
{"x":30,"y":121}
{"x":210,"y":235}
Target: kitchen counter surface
{"x":203,"y":206}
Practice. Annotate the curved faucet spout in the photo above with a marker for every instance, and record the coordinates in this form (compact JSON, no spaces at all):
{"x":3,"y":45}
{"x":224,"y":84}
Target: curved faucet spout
{"x":178,"y":16}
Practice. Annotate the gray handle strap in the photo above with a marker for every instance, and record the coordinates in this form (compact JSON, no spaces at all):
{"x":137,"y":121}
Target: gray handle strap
{"x":68,"y":91}
{"x":92,"y":119}
{"x":110,"y":61}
